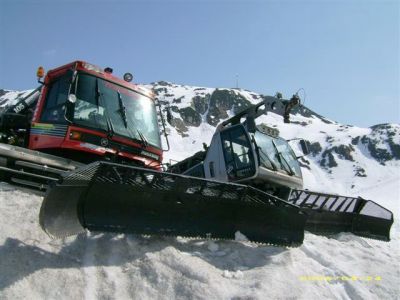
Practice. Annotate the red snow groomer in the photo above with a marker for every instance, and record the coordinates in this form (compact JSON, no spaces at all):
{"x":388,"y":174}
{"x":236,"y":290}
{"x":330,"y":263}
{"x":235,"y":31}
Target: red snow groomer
{"x":80,"y":114}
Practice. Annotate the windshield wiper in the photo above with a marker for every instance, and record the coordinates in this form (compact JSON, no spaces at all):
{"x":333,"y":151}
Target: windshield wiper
{"x":265,"y":155}
{"x":99,"y":103}
{"x":143,"y":138}
{"x":281,"y":157}
{"x":269,"y":159}
{"x":122,"y":110}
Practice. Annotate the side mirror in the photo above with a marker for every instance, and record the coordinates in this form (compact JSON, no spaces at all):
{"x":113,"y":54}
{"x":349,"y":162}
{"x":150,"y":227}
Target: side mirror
{"x":69,"y":106}
{"x":72,"y":98}
{"x":304,"y":147}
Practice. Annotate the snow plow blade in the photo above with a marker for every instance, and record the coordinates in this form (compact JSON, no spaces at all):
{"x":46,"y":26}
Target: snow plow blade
{"x":330,"y":214}
{"x":118,"y":198}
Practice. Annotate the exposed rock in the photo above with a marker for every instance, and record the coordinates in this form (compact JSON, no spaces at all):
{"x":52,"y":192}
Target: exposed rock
{"x":380,"y":142}
{"x":328,"y":160}
{"x":177,"y":100}
{"x":299,"y":123}
{"x":308,"y":113}
{"x":315,"y":148}
{"x":360,"y":172}
{"x":222,"y":101}
{"x":163,"y":83}
{"x":389,"y":131}
{"x":304,"y":163}
{"x":381,"y":127}
{"x":395,"y":148}
{"x":379,"y":154}
{"x":344,"y":151}
{"x":3,"y":92}
{"x":190,"y":116}
{"x":200,"y":104}
{"x":329,"y":139}
{"x":174,"y":108}
{"x":179,"y":125}
{"x":355,"y":140}
{"x":158,"y":91}
{"x":326,"y":120}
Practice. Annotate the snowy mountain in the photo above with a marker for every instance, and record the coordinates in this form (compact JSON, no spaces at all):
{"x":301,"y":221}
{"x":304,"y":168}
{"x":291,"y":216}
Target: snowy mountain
{"x":356,"y":155}
{"x":344,"y":159}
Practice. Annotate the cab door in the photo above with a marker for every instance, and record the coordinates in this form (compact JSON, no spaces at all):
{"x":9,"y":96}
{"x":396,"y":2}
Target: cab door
{"x":238,"y":153}
{"x":50,"y":127}
{"x":54,"y":106}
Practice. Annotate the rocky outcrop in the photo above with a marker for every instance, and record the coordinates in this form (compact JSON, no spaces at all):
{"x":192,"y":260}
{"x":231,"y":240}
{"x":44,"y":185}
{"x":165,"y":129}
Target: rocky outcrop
{"x":190,"y":116}
{"x":3,"y":92}
{"x":200,"y":104}
{"x":328,"y":160}
{"x":360,"y":172}
{"x":221,"y":102}
{"x":344,"y":151}
{"x":381,"y":142}
{"x":315,"y":148}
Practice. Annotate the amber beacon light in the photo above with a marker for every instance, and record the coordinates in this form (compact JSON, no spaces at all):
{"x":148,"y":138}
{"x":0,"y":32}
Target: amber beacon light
{"x":40,"y":72}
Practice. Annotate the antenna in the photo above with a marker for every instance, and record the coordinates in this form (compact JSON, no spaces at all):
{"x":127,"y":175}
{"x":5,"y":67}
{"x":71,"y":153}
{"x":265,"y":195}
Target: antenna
{"x":237,"y":81}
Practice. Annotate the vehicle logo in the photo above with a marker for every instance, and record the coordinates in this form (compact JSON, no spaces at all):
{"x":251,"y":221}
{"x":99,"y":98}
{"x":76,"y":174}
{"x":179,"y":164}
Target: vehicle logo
{"x":104,"y":142}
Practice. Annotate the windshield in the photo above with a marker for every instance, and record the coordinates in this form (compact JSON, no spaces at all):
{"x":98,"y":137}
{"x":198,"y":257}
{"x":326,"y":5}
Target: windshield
{"x":276,"y":154}
{"x":104,"y":105}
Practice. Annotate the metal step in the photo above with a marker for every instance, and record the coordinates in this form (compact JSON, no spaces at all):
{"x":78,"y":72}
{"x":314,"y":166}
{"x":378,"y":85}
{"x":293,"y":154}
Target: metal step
{"x":27,"y":174}
{"x":32,"y":168}
{"x":29,"y":183}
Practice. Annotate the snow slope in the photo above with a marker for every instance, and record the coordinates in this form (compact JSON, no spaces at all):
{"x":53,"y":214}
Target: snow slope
{"x":348,"y":160}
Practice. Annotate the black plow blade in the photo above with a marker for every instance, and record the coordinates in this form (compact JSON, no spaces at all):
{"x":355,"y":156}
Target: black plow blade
{"x":118,"y":198}
{"x":329,"y":214}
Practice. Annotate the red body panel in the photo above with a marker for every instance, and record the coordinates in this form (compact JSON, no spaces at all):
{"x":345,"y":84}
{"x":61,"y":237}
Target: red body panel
{"x":37,"y":141}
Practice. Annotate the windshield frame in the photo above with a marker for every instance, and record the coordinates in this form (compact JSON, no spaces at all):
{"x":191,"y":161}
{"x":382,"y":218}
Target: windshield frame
{"x":106,"y":98}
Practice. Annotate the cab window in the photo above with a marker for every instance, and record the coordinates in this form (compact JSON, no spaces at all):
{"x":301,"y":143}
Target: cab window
{"x":54,"y":108}
{"x":238,"y":155}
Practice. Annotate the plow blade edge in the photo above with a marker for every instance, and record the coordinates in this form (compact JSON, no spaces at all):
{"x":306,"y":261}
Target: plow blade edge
{"x":119,"y":198}
{"x":329,"y":214}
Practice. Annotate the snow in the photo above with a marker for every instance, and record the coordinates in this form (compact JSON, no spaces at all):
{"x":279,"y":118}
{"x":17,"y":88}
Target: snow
{"x":126,"y":266}
{"x":11,"y":97}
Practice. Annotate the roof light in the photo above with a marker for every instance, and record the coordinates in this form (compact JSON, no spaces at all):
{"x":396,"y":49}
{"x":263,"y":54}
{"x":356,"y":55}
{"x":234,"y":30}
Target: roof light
{"x":128,"y":77}
{"x":108,"y":70}
{"x":91,"y":67}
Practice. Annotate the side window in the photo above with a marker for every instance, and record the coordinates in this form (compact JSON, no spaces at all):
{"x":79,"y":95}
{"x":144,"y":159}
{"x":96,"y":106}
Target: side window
{"x":57,"y":94}
{"x":238,"y":154}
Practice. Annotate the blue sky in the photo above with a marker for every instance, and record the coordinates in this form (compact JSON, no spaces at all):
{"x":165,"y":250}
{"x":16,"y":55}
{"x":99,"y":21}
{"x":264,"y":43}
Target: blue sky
{"x":345,"y":54}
